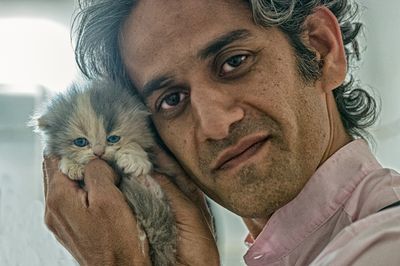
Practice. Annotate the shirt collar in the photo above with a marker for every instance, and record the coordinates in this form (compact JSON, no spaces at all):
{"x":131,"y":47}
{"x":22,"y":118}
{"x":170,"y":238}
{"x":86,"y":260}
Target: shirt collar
{"x":325,"y":192}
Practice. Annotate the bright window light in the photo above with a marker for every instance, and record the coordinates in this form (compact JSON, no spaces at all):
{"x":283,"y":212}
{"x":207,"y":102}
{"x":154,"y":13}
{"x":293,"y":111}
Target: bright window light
{"x":35,"y":52}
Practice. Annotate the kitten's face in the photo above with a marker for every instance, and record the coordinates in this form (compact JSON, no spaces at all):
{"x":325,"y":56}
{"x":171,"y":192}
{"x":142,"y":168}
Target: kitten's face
{"x":87,"y":137}
{"x":88,"y":144}
{"x":95,"y":126}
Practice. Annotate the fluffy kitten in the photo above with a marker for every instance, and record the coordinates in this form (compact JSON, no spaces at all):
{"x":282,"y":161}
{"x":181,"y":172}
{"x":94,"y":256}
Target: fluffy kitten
{"x":101,"y":119}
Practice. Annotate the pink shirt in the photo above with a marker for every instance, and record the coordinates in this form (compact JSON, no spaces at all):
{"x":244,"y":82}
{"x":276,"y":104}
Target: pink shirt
{"x":335,"y":220}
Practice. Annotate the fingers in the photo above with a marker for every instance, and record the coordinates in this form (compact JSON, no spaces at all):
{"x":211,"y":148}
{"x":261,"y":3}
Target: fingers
{"x":62,"y":196}
{"x":181,"y":204}
{"x":92,"y":224}
{"x":167,"y":165}
{"x":61,"y":193}
{"x":54,"y":180}
{"x":45,"y":182}
{"x":49,"y":166}
{"x":189,"y":188}
{"x":172,"y":192}
{"x":99,"y":173}
{"x":100,"y":180}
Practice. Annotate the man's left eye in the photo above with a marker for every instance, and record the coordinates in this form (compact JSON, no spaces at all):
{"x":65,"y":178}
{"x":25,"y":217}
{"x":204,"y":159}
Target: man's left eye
{"x":172,"y":100}
{"x":232,"y":63}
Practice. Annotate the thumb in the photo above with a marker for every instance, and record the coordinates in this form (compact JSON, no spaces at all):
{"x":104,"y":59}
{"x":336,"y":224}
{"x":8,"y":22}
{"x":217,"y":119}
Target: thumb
{"x":99,"y":176}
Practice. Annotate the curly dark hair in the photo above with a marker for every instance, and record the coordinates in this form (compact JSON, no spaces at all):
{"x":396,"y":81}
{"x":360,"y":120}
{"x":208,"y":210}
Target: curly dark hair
{"x":97,"y":30}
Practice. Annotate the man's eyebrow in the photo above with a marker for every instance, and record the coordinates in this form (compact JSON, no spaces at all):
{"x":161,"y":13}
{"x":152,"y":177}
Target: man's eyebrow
{"x":211,"y":49}
{"x":216,"y":45}
{"x":155,"y":84}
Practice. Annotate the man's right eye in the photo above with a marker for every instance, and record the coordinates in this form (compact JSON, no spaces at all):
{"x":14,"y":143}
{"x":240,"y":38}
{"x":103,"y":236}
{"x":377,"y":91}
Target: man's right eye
{"x":171,"y":100}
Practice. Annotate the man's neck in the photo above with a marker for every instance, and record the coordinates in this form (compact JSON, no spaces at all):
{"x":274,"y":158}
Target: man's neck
{"x":338,"y":135}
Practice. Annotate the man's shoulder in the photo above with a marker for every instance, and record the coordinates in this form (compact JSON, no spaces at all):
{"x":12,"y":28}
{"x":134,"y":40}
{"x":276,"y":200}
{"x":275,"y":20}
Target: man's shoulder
{"x":373,"y":240}
{"x":377,"y":189}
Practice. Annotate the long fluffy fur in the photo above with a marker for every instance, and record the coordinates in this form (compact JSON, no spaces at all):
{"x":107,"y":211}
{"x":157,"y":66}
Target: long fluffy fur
{"x":96,"y":110}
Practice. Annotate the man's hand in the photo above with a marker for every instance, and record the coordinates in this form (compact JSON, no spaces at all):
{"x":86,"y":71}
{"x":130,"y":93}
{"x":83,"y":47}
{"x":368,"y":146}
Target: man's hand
{"x":98,"y":228}
{"x":95,"y":224}
{"x":196,"y":242}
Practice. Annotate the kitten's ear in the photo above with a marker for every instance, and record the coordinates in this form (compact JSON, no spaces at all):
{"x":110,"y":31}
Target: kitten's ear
{"x":39,"y":123}
{"x":42,"y":122}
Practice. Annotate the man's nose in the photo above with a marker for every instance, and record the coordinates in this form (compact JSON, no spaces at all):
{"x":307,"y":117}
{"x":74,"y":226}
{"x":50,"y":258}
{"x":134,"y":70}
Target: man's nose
{"x":214,"y":112}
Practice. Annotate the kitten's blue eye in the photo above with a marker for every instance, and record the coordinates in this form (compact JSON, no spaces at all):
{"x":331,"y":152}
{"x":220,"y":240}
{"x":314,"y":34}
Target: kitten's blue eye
{"x":81,"y":142}
{"x":113,"y":139}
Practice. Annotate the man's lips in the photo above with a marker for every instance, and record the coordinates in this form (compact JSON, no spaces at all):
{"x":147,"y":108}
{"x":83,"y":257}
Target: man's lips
{"x":241,"y":151}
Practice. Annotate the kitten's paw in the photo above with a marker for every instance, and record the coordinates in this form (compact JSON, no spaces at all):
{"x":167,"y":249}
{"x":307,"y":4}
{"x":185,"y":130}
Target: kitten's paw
{"x":76,"y":173}
{"x":73,"y":170}
{"x":134,"y":165}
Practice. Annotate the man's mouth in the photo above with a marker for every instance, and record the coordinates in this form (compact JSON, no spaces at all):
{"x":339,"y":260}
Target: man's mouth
{"x":240,"y":152}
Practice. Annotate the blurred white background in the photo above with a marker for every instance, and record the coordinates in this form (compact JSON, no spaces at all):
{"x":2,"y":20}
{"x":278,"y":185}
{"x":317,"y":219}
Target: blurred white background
{"x":36,"y":60}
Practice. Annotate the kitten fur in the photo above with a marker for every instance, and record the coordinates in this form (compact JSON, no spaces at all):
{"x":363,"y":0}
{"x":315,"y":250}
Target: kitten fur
{"x":96,"y":110}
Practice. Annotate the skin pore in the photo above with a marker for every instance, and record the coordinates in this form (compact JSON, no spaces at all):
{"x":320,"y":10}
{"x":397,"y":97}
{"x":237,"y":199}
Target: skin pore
{"x":216,"y":83}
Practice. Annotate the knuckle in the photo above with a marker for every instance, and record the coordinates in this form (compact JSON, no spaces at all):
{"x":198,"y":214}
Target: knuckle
{"x":108,"y":203}
{"x":49,"y":221}
{"x":52,"y":204}
{"x":52,"y":229}
{"x":99,"y":202}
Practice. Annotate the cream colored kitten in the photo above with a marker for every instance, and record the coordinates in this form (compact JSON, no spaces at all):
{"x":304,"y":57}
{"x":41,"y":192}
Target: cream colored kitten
{"x":99,"y":119}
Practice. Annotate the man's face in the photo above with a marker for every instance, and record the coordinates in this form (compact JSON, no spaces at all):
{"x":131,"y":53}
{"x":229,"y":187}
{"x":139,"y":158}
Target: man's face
{"x":227,"y":99}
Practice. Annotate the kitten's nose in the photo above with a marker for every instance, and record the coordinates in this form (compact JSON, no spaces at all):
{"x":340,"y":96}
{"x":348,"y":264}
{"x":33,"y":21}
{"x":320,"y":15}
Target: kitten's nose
{"x":98,"y":150}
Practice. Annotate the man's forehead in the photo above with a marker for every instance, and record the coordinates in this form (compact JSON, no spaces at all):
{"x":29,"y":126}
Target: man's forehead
{"x":155,"y":19}
{"x":158,"y":32}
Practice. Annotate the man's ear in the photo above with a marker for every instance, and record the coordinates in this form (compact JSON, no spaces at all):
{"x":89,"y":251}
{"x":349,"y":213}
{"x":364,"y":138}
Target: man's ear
{"x":321,"y":33}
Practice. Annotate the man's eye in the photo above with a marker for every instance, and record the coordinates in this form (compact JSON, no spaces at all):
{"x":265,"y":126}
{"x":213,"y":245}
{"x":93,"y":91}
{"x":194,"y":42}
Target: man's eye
{"x":232,"y":63}
{"x":172,"y":100}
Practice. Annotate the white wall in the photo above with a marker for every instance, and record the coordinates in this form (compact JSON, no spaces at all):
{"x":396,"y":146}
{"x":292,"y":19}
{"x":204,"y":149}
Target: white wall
{"x":23,"y":238}
{"x":57,"y":10}
{"x":381,"y":71}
